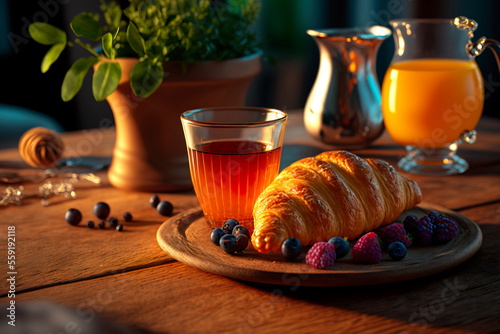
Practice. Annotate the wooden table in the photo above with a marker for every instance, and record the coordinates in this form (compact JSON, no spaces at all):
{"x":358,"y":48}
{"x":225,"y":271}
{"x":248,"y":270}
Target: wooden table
{"x":104,"y":276}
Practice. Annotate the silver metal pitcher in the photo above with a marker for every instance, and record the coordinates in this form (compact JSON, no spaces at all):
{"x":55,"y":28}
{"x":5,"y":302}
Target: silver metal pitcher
{"x":343,"y":107}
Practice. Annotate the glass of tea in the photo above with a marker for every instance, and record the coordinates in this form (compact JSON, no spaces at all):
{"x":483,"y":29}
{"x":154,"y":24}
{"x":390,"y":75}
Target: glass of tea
{"x":234,"y":153}
{"x":433,"y":92}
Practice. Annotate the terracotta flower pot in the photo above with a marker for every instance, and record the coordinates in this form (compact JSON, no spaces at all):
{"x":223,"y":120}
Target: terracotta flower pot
{"x":150,"y":153}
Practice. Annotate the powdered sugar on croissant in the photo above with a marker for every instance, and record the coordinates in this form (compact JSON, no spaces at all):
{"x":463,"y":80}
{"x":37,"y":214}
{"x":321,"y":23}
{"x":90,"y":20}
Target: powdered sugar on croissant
{"x":335,"y":193}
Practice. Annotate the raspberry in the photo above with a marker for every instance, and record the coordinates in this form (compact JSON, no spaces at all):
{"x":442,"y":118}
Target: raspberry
{"x":395,"y":232}
{"x":367,"y":249}
{"x":445,"y":230}
{"x":421,"y":230}
{"x":321,"y":255}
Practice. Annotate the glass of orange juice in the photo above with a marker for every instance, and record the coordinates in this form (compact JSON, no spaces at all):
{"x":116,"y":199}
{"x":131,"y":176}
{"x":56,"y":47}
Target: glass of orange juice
{"x":234,"y":153}
{"x":433,"y":92}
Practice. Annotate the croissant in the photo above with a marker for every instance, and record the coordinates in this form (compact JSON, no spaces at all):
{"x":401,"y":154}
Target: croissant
{"x":335,"y":193}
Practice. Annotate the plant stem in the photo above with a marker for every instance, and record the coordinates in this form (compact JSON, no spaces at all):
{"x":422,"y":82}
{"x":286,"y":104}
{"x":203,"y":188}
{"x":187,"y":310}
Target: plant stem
{"x":87,"y":47}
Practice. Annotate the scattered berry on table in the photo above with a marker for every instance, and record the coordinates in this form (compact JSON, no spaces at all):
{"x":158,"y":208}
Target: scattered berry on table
{"x":367,"y":249}
{"x":119,"y":227}
{"x":101,"y":224}
{"x":291,"y":248}
{"x":341,"y":246}
{"x":228,"y":243}
{"x":240,"y":229}
{"x":397,"y":250}
{"x":101,"y":210}
{"x":215,"y":235}
{"x":165,"y":208}
{"x":321,"y":255}
{"x":90,"y":224}
{"x":421,"y":230}
{"x":395,"y":232}
{"x":228,"y":225}
{"x":154,"y":200}
{"x":113,"y":221}
{"x":445,"y":230}
{"x":73,"y":216}
{"x":241,"y":242}
{"x":127,"y":216}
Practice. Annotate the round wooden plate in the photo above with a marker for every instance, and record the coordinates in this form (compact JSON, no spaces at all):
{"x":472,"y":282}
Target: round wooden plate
{"x":186,"y":237}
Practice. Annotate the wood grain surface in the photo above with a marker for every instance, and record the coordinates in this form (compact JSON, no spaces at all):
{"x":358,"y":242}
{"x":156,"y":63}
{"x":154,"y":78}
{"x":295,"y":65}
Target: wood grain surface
{"x":126,"y":278}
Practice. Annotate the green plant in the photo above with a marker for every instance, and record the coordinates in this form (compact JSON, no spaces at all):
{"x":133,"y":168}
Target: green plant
{"x":154,"y":31}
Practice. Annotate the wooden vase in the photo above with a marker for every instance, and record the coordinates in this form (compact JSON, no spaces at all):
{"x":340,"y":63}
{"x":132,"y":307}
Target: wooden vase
{"x":150,"y":152}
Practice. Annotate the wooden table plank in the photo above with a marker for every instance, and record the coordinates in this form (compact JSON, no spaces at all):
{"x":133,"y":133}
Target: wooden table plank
{"x":168,"y":297}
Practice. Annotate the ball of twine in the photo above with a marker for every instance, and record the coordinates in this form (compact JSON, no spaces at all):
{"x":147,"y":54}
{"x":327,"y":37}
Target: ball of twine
{"x":41,"y":147}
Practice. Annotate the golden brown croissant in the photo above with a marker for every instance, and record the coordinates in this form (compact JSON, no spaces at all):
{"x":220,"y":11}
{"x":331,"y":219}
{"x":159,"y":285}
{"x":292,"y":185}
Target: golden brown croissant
{"x":333,"y":194}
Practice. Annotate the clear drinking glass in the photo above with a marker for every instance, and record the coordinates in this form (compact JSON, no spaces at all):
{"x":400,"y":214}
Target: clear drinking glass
{"x":433,"y":92}
{"x":234,"y":153}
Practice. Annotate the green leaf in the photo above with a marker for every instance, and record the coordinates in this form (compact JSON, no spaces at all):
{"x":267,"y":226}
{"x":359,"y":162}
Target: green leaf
{"x":107,"y":46}
{"x":52,"y":55}
{"x":46,"y":34}
{"x":112,"y":14}
{"x":73,"y":79}
{"x":105,"y":80}
{"x":87,"y":25}
{"x":145,"y":78}
{"x":135,"y":39}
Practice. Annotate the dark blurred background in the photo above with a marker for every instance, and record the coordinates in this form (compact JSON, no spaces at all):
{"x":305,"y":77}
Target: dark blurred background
{"x":282,"y":26}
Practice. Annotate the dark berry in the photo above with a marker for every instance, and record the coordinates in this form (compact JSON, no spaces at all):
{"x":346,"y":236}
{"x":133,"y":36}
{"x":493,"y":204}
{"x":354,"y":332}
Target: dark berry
{"x":165,"y":208}
{"x":101,"y":224}
{"x":240,"y":229}
{"x":154,"y":201}
{"x":410,"y":219}
{"x":127,"y":216}
{"x":341,"y":246}
{"x":113,"y":221}
{"x":215,"y":236}
{"x":73,"y":217}
{"x":394,"y":232}
{"x":229,"y":225}
{"x":433,"y":214}
{"x":101,"y":210}
{"x":397,"y":250}
{"x":90,"y":224}
{"x":228,"y":243}
{"x":291,"y":248}
{"x":241,"y":242}
{"x":119,"y":227}
{"x":445,"y":230}
{"x":421,"y":230}
{"x":321,"y":255}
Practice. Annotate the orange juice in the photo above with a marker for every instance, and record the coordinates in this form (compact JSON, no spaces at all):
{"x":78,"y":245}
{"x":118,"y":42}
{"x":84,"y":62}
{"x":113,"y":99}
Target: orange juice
{"x":430,"y":102}
{"x":229,"y":176}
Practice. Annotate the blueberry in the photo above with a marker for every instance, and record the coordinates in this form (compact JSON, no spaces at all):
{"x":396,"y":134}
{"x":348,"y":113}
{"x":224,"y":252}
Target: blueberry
{"x":73,"y":216}
{"x":90,"y":224}
{"x":291,"y":248}
{"x":127,"y":216}
{"x":165,"y":208}
{"x":241,"y":242}
{"x":228,"y":243}
{"x":101,"y":210}
{"x":119,"y":227}
{"x":397,"y":250}
{"x":229,"y":225}
{"x":113,"y":222}
{"x":101,"y":225}
{"x":154,"y":201}
{"x":341,"y":246}
{"x":215,"y":236}
{"x":240,"y":229}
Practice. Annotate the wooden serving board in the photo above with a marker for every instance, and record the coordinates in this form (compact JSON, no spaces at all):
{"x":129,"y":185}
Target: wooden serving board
{"x":186,"y":237}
